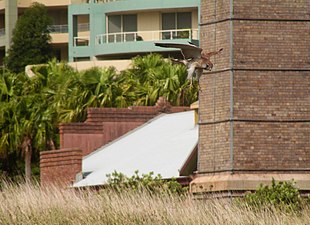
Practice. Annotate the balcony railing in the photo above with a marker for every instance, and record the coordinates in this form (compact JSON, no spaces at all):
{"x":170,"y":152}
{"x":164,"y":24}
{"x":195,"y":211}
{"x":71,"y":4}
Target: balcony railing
{"x":81,"y":41}
{"x":147,"y":36}
{"x":138,"y":36}
{"x":83,"y":27}
{"x":64,"y":28}
{"x":58,"y":28}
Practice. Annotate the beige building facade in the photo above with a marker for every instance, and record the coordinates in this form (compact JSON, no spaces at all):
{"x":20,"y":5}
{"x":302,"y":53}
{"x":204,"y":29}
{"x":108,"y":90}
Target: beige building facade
{"x":10,"y":10}
{"x":100,"y":30}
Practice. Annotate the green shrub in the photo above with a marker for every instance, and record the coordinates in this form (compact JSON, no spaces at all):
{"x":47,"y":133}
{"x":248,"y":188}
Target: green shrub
{"x":283,"y":195}
{"x":154,"y":184}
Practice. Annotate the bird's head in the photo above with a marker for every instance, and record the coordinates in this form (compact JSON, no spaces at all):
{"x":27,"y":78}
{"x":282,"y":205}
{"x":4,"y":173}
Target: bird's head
{"x":207,"y":64}
{"x":205,"y":57}
{"x":208,"y":67}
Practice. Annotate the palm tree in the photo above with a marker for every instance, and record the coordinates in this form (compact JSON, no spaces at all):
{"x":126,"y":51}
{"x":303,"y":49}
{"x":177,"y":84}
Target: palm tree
{"x":157,"y":77}
{"x":34,"y":123}
{"x":103,"y":86}
{"x":10,"y":86}
{"x":32,"y":108}
{"x":26,"y":119}
{"x":91,"y":88}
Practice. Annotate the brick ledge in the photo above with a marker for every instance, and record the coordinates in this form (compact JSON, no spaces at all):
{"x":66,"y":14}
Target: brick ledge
{"x":244,"y":182}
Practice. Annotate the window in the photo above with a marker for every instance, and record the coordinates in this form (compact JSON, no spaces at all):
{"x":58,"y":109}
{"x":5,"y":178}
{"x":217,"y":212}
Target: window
{"x":176,"y":21}
{"x":118,"y":25}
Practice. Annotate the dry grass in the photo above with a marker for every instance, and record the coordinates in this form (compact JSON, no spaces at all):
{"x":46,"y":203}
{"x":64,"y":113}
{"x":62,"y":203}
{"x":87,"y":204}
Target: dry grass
{"x":34,"y":205}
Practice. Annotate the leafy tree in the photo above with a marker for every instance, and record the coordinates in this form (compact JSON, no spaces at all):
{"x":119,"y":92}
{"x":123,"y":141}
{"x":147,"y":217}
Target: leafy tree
{"x":11,"y":85}
{"x":31,"y":39}
{"x":26,"y":122}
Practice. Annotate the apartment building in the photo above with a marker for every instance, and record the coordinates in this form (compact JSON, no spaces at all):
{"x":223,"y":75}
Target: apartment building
{"x":10,"y":10}
{"x":84,"y":30}
{"x":125,"y":28}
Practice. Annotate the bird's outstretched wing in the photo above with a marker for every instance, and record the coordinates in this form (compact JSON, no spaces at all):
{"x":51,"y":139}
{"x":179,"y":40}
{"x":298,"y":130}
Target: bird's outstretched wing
{"x":189,"y":51}
{"x":209,"y":54}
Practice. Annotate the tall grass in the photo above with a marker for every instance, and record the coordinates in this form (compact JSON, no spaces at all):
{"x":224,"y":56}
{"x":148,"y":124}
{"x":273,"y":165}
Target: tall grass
{"x":30,"y":204}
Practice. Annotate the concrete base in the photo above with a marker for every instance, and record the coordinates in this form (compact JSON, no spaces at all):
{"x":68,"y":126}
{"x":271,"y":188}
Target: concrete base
{"x":245,"y":181}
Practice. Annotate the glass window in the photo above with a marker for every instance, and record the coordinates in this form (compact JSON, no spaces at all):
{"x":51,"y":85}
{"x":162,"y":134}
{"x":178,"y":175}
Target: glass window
{"x":129,"y":25}
{"x":119,"y":24}
{"x":174,"y":21}
{"x":168,"y":21}
{"x":184,"y":20}
{"x":115,"y":24}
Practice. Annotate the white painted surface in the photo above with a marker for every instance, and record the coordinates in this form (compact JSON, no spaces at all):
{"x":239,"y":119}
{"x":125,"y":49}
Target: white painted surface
{"x":162,"y":146}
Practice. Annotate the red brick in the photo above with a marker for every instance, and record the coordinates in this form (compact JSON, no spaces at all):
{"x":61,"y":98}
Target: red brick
{"x":59,"y":167}
{"x":106,"y":124}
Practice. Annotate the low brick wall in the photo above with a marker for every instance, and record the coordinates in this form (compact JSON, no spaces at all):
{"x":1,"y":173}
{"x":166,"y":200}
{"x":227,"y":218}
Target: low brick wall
{"x":59,"y":167}
{"x":104,"y":125}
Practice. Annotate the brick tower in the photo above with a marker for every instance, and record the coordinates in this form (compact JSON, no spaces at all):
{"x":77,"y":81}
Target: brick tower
{"x":255,"y":105}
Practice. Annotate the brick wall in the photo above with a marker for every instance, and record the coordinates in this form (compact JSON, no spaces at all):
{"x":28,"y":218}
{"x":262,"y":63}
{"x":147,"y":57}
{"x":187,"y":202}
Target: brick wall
{"x":276,"y":9}
{"x":272,"y":95}
{"x":271,"y":146}
{"x":214,"y":106}
{"x":102,"y":126}
{"x":214,"y":151}
{"x":90,"y":136}
{"x":255,"y":104}
{"x":59,"y":167}
{"x":106,"y":124}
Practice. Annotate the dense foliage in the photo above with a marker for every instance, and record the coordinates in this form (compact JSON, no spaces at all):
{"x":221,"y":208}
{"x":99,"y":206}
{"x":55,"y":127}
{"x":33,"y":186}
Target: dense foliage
{"x":32,"y":108}
{"x":283,"y":195}
{"x":153,"y":184}
{"x":30,"y":40}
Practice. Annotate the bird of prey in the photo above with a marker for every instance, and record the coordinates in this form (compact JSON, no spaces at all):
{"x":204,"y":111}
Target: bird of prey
{"x":194,"y":58}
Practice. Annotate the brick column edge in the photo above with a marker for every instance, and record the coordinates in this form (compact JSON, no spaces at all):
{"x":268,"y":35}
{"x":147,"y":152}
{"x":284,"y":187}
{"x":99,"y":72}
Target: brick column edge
{"x":59,"y":167}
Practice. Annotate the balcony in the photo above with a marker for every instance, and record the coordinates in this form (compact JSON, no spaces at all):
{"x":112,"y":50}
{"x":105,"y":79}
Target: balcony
{"x":60,"y":34}
{"x":132,"y":42}
{"x":59,"y":29}
{"x":191,"y":34}
{"x":139,"y":36}
{"x":81,"y":41}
